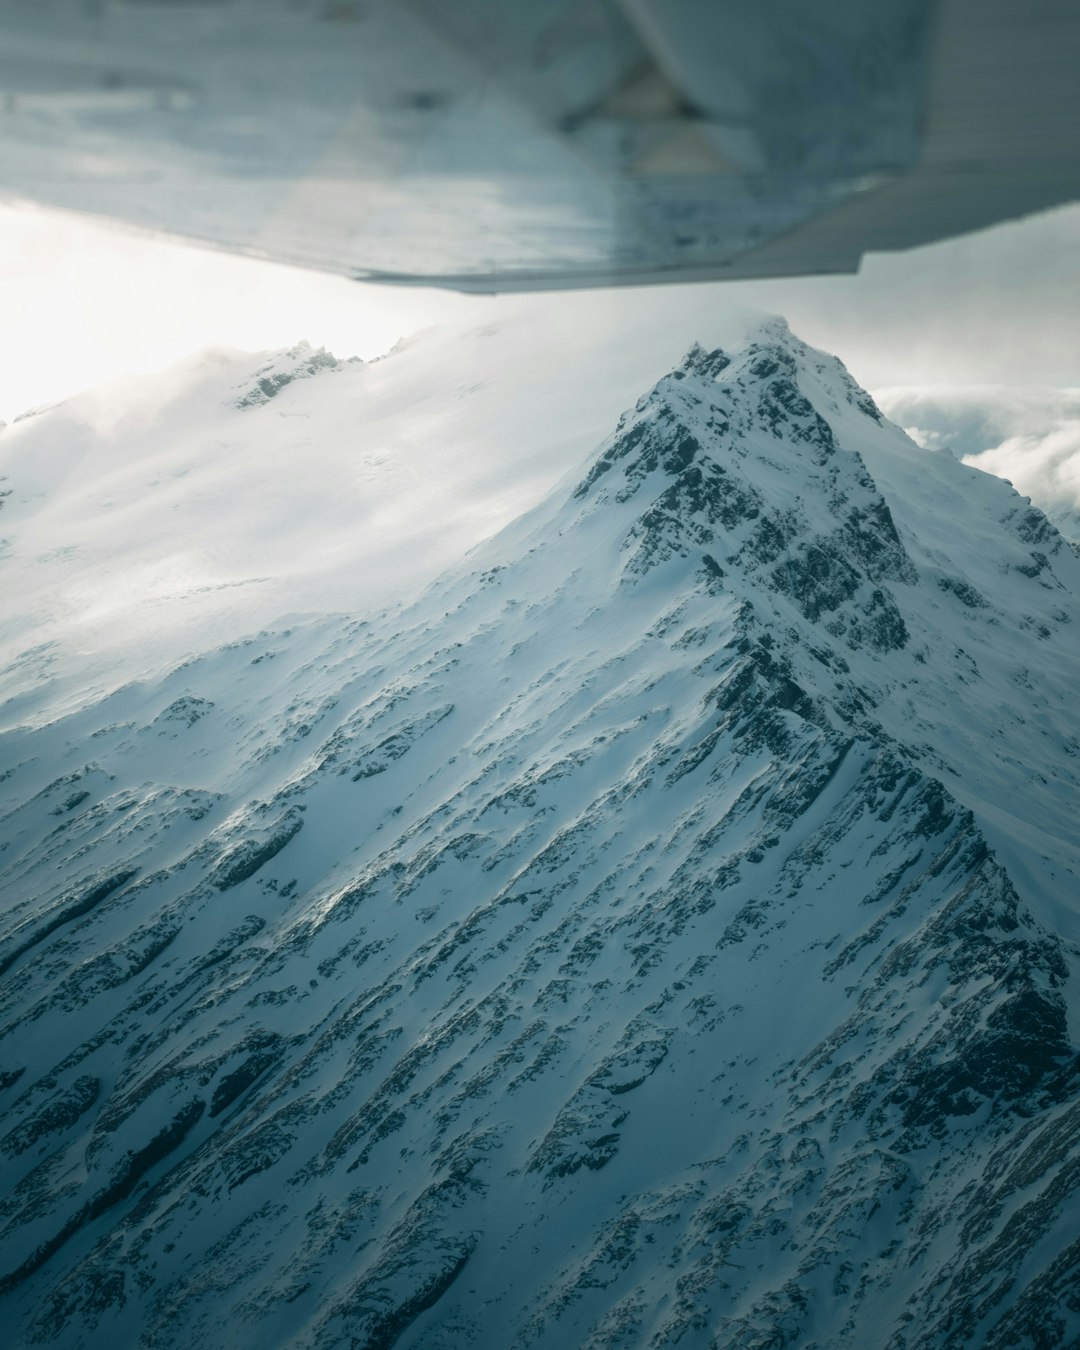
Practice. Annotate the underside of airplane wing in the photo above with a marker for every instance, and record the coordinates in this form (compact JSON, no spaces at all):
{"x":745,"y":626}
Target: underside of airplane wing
{"x":495,"y":145}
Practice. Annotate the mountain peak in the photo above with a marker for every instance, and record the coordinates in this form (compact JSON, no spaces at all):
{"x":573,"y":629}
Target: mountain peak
{"x":699,"y":361}
{"x":727,"y":457}
{"x":771,"y":348}
{"x":300,"y":362}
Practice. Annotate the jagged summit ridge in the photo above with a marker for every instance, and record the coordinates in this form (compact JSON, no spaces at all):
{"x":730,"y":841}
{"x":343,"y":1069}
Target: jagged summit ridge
{"x":614,"y":948}
{"x":295,"y":363}
{"x":806,"y":517}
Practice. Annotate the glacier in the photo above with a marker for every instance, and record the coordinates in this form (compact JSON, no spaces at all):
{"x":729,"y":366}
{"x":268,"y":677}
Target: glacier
{"x":660,"y":928}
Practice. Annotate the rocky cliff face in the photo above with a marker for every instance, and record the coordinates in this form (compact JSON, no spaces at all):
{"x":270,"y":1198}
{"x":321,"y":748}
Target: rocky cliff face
{"x":661,"y":933}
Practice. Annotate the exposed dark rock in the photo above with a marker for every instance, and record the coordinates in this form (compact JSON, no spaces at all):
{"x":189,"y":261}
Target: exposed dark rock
{"x":243,"y":859}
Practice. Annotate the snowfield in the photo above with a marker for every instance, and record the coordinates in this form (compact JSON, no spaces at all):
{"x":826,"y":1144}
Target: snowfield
{"x":655,"y":926}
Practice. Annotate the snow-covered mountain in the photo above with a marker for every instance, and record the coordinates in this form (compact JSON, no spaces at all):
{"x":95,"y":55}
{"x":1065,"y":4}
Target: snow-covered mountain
{"x":663,"y":930}
{"x":159,"y":514}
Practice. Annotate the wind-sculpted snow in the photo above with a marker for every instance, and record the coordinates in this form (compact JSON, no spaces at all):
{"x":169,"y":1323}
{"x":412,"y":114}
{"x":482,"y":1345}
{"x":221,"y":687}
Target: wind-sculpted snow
{"x":652,"y":936}
{"x":298,"y":363}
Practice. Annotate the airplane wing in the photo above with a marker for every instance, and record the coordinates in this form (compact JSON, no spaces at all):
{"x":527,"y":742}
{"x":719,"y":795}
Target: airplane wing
{"x":495,"y":145}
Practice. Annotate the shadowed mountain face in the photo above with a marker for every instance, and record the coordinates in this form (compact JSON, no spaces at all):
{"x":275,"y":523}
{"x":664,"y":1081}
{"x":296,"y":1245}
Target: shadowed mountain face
{"x":661,"y":933}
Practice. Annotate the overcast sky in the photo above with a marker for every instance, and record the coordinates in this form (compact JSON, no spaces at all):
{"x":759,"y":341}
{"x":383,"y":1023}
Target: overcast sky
{"x":84,"y":301}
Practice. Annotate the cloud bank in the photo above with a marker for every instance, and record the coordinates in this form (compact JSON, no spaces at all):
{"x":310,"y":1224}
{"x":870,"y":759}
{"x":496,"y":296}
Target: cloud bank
{"x":1028,"y":435}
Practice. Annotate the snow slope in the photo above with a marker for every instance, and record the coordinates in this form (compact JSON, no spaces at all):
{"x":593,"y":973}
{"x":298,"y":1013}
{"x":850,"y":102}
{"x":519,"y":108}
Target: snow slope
{"x":147,"y":518}
{"x":662,"y":930}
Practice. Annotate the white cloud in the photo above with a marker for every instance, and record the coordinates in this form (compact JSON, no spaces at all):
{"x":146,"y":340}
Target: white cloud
{"x":1045,"y":468}
{"x":1028,"y":435}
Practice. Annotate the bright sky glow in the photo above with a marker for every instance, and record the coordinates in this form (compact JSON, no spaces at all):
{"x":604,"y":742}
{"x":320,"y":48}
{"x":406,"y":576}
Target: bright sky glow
{"x":85,"y":301}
